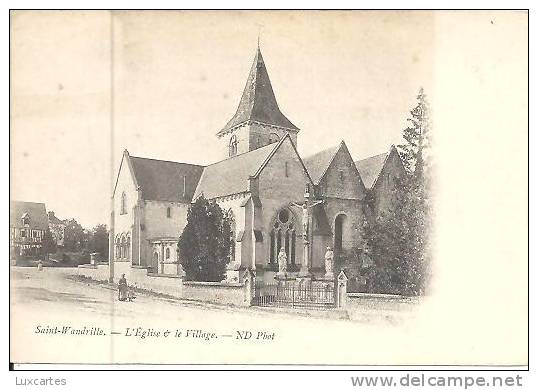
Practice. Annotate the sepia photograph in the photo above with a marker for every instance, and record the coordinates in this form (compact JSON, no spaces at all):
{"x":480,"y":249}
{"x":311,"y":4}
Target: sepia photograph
{"x":268,"y":188}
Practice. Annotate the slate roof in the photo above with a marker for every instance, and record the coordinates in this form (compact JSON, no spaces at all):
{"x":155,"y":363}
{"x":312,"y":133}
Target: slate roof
{"x":230,"y":176}
{"x":370,"y":168}
{"x":258,"y":102}
{"x":318,"y":163}
{"x":163,"y":180}
{"x":36,"y":211}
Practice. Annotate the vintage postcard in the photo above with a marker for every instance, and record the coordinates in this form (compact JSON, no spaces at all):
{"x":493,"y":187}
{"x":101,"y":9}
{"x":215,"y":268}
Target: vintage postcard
{"x":332,"y":188}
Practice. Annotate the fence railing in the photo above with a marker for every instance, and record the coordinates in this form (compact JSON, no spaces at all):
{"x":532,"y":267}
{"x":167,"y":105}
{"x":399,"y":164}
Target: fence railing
{"x":294,"y":294}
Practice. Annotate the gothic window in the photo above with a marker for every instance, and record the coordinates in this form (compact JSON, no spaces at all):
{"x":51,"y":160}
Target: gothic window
{"x":118,"y":248}
{"x":168,"y":212}
{"x":286,"y":172}
{"x":25,"y":220}
{"x":123,"y":247}
{"x":282,"y":235}
{"x":341,"y":175}
{"x":128,"y":248}
{"x":167,"y":254}
{"x":123,"y":203}
{"x":232,"y":146}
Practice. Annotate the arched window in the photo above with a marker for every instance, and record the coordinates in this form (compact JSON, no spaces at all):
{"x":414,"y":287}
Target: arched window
{"x":123,"y":248}
{"x":168,"y":212}
{"x":167,"y":253}
{"x":128,"y":248}
{"x":232,"y":146}
{"x":339,"y":228}
{"x":282,"y":235}
{"x":123,"y":209}
{"x":118,"y":253}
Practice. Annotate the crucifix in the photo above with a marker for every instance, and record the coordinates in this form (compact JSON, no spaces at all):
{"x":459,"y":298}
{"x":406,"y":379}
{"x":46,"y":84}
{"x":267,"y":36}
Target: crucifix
{"x":305,"y":208}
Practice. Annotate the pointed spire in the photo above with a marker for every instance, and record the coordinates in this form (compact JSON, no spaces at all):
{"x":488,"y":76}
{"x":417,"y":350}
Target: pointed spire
{"x":258,"y":102}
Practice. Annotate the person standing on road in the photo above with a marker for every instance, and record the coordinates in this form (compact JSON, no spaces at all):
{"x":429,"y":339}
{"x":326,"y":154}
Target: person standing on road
{"x":122,"y":288}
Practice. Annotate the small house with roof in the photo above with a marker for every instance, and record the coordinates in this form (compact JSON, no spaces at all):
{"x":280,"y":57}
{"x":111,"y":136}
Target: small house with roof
{"x":28,"y":223}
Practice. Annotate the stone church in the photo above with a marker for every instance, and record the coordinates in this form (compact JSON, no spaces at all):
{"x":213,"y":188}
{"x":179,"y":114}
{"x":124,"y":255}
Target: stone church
{"x":277,"y":198}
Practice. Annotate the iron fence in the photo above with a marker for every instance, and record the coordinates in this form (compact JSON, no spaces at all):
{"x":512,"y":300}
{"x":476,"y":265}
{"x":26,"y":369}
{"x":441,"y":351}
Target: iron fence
{"x":293,"y":294}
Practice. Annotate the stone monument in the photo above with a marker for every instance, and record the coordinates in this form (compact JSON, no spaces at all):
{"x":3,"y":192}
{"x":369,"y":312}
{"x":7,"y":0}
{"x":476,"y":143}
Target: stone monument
{"x":282,"y":263}
{"x":329,"y":262}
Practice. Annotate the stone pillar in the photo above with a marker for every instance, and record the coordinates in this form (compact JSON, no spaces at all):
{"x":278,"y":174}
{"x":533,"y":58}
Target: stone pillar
{"x":161,"y":259}
{"x":93,"y":258}
{"x":306,"y":258}
{"x":249,"y":280}
{"x":341,"y":290}
{"x":111,"y":244}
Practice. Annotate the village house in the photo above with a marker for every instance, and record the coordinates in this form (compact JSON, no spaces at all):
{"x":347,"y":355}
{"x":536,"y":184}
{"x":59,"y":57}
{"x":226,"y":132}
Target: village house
{"x":266,"y":186}
{"x":28,"y":223}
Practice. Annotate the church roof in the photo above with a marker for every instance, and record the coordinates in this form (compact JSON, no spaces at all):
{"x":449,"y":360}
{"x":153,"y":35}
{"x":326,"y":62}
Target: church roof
{"x":163,"y":180}
{"x":36,"y":211}
{"x":230,"y":176}
{"x":258,"y":102}
{"x":370,"y":168}
{"x":318,"y":163}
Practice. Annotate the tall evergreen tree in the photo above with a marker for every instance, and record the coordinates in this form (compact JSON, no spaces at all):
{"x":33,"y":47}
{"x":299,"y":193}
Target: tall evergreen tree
{"x":205,"y":243}
{"x":417,"y":136}
{"x":399,"y":241}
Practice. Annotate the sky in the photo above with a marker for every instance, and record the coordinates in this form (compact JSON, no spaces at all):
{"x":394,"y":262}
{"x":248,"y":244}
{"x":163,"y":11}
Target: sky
{"x":171,"y":79}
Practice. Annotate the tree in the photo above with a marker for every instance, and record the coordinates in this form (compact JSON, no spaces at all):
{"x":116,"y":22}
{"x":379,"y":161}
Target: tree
{"x":417,"y":136}
{"x":98,"y":240}
{"x":398,"y":241}
{"x":205,"y":243}
{"x":74,"y":236}
{"x":48,"y":243}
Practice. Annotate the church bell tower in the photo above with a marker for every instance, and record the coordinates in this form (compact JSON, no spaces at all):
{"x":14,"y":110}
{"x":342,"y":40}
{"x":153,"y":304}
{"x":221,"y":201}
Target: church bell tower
{"x":258,"y":120}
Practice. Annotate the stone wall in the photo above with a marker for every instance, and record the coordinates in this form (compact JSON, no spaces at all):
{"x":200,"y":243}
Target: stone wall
{"x":215,"y":292}
{"x":96,"y":272}
{"x":172,"y":285}
{"x":277,"y":191}
{"x":123,"y":222}
{"x":252,"y":136}
{"x":342,"y":180}
{"x":156,"y":222}
{"x":360,"y":305}
{"x":384,"y":186}
{"x":236,"y":203}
